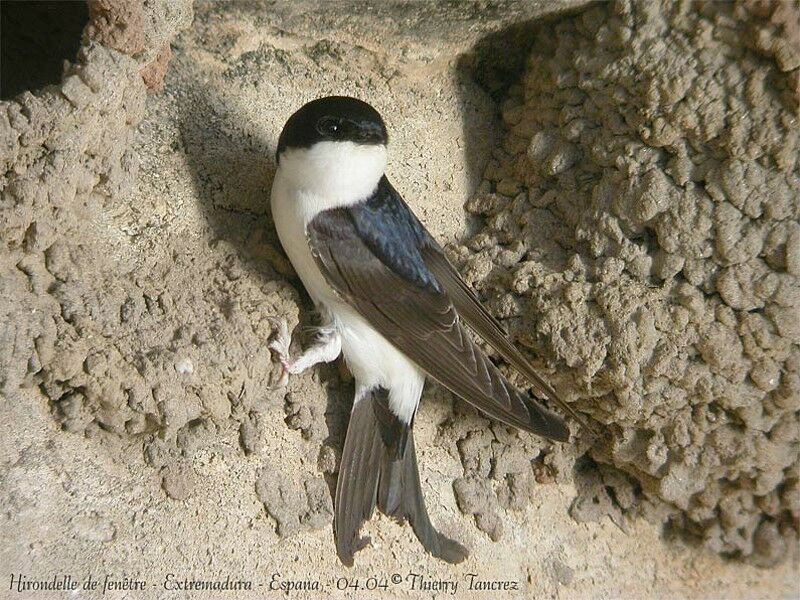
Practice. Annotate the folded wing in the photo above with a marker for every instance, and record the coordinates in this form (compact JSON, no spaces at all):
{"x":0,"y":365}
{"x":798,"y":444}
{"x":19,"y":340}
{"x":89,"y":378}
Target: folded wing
{"x":484,"y":324}
{"x":365,"y":254}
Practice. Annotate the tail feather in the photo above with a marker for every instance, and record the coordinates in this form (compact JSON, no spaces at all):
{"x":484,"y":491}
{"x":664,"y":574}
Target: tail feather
{"x":400,"y":496}
{"x":374,"y":473}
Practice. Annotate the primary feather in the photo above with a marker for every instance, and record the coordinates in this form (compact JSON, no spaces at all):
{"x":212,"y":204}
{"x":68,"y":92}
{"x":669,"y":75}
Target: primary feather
{"x":392,"y":287}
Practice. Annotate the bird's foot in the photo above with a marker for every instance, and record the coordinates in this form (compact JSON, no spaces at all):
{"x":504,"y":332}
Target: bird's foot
{"x":279,"y":345}
{"x":326,"y":347}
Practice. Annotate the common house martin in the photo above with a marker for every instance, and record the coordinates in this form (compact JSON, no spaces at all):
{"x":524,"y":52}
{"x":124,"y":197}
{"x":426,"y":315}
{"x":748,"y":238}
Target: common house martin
{"x":394,"y":306}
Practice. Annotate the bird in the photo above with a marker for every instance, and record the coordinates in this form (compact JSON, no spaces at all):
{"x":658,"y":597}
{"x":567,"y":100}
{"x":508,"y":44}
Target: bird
{"x":394,"y":306}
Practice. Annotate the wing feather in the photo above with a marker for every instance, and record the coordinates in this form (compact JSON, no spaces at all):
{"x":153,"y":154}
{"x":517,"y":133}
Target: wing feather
{"x":418,"y":317}
{"x":485,"y":325}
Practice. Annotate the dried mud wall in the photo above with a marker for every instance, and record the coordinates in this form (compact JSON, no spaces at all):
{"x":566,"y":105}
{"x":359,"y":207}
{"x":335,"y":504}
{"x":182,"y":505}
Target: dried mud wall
{"x":639,"y":231}
{"x":636,"y":228}
{"x":66,"y":160}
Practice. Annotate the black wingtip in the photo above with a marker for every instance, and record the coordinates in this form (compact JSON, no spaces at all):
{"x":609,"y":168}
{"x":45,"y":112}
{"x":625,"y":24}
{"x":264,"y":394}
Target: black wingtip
{"x":558,"y":431}
{"x":562,"y":434}
{"x":546,"y":423}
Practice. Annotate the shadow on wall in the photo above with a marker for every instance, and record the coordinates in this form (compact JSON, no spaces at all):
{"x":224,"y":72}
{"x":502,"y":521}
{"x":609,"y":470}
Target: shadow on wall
{"x":232,"y":174}
{"x":495,"y":63}
{"x":37,"y":37}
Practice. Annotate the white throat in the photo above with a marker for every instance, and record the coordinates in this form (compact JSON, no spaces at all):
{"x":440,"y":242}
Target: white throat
{"x":343,"y":173}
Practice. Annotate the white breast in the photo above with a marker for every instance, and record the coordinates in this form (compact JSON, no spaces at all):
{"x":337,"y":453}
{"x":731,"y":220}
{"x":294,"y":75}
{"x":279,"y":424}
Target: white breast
{"x":291,"y":216}
{"x":332,"y":175}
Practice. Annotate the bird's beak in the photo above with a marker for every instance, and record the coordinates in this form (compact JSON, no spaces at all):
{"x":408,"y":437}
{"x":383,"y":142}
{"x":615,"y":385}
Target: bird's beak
{"x":371,"y":133}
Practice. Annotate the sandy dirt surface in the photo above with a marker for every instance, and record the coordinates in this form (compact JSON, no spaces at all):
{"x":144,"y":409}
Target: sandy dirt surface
{"x":635,"y":237}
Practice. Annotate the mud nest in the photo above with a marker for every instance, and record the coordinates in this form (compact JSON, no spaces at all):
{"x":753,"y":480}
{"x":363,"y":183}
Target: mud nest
{"x":639,"y":230}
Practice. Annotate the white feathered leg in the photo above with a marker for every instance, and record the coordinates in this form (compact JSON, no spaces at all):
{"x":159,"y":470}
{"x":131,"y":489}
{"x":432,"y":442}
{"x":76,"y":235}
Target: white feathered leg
{"x":326,"y":347}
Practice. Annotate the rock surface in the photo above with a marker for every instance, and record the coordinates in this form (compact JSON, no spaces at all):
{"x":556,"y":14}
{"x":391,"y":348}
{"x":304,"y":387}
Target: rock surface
{"x":638,"y":232}
{"x":140,"y":268}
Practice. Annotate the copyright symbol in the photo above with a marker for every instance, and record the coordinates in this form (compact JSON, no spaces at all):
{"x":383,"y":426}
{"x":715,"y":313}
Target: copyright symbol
{"x":396,"y":578}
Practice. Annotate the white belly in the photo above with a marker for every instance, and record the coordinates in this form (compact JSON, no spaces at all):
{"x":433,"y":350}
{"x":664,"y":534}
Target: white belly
{"x":372,"y":359}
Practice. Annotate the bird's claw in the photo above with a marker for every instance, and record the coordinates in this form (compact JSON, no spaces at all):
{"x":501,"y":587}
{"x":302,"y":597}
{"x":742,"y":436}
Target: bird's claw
{"x":279,"y":345}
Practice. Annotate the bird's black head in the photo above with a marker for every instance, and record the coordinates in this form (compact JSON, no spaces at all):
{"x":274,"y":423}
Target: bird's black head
{"x":334,"y":119}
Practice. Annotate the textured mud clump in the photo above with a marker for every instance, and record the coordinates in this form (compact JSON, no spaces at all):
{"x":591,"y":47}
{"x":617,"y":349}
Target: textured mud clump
{"x":134,"y":337}
{"x":294,"y":505}
{"x":640,"y":231}
{"x":125,"y":333}
{"x":640,"y":239}
{"x":502,"y":466}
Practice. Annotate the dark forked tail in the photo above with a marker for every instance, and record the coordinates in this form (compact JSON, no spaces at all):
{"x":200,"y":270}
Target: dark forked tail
{"x":379,"y":468}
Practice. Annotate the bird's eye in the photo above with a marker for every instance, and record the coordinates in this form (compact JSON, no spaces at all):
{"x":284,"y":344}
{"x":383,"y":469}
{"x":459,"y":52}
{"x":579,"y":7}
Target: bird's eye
{"x":328,"y":126}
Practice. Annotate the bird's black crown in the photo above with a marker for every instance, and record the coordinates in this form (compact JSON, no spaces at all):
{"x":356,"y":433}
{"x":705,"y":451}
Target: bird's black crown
{"x":334,"y":118}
